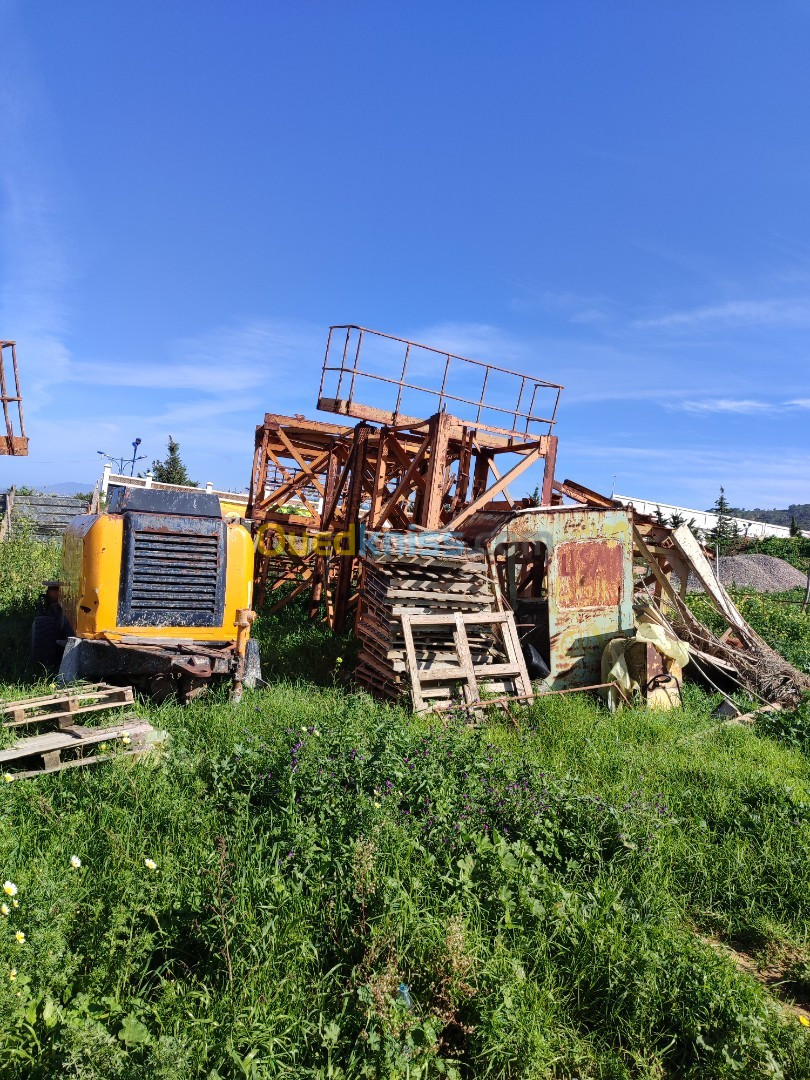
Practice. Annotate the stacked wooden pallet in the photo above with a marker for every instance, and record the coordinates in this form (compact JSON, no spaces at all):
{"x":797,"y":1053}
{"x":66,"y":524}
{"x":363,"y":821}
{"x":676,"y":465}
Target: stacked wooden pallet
{"x":70,"y":745}
{"x":428,"y":615}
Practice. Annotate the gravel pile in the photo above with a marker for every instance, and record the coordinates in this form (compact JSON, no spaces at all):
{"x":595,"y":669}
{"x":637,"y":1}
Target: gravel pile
{"x":762,"y":573}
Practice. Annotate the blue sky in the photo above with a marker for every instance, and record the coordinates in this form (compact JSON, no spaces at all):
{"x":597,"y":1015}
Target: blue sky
{"x":613,"y":196}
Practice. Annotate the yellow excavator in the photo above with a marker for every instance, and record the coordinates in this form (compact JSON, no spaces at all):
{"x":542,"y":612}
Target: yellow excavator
{"x":156,"y":592}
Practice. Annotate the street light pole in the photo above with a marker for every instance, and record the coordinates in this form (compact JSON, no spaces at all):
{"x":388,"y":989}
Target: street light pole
{"x":135,"y":446}
{"x":122,"y":462}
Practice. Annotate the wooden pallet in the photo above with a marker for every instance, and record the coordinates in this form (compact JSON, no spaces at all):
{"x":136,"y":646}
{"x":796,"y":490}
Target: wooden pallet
{"x":65,"y":706}
{"x":471,"y":676}
{"x":430,"y":584}
{"x":73,"y":747}
{"x":70,"y":744}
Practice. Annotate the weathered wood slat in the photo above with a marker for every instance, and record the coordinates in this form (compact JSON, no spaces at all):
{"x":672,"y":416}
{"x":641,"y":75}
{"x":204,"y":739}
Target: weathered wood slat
{"x":73,"y":738}
{"x":65,"y":706}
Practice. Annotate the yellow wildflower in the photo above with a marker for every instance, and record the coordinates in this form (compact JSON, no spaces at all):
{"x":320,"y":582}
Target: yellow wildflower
{"x":12,"y":974}
{"x":804,"y":1021}
{"x":150,"y":864}
{"x":9,"y":888}
{"x":8,"y":777}
{"x":5,"y":909}
{"x":15,"y":903}
{"x":20,"y":936}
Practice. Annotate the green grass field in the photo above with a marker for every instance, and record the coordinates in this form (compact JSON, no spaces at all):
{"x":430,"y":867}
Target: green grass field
{"x":341,"y":890}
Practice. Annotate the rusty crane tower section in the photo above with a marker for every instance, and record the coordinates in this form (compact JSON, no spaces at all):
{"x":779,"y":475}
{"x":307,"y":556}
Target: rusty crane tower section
{"x":13,"y":440}
{"x":439,"y":438}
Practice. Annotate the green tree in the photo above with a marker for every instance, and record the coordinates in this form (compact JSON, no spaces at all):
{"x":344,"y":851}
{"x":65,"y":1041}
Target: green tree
{"x":726,"y":533}
{"x":172,"y":470}
{"x":794,"y":527}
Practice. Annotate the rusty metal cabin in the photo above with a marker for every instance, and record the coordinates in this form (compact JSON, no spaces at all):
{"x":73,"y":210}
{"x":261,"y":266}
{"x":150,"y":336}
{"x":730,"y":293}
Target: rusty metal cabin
{"x":567,"y":574}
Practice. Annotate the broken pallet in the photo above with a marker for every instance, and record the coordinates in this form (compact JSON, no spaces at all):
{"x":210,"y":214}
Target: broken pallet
{"x":68,"y":748}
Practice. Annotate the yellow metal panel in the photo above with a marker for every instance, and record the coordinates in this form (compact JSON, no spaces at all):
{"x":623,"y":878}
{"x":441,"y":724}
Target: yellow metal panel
{"x":92,"y":561}
{"x":92,"y":569}
{"x":229,"y":507}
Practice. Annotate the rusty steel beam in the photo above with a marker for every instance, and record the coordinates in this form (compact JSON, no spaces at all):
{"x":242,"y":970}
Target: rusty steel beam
{"x":352,"y":520}
{"x":498,"y":486}
{"x":439,"y":436}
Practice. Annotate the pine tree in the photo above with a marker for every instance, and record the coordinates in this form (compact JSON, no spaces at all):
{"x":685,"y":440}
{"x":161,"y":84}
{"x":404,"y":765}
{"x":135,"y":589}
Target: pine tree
{"x":172,"y":470}
{"x":794,"y":527}
{"x":726,"y":531}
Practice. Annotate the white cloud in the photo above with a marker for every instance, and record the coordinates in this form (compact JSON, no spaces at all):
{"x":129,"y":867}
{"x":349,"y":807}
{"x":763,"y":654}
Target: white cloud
{"x":772,"y":312}
{"x":744,"y":406}
{"x":222,"y":361}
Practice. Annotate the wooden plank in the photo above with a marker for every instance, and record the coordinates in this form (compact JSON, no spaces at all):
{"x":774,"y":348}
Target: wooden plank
{"x":515,"y":653}
{"x":45,"y":699}
{"x":692,"y":552}
{"x":471,"y":694}
{"x":74,"y":737}
{"x":413,"y":670}
{"x":76,"y":763}
{"x":484,"y":617}
{"x":460,"y":671}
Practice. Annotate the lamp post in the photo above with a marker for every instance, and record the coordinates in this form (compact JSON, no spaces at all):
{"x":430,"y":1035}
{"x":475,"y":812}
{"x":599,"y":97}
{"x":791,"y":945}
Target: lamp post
{"x":122,"y":462}
{"x":135,"y":446}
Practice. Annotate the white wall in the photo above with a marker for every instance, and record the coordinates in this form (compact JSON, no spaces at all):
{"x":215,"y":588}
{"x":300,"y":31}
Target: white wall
{"x":704,"y":520}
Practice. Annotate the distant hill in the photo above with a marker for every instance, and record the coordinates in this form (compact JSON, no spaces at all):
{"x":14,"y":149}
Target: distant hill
{"x":68,"y":487}
{"x":799,"y":511}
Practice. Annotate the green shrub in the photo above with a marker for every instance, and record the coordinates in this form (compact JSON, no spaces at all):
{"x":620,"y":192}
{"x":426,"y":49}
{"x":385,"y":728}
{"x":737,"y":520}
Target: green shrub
{"x":25,"y":563}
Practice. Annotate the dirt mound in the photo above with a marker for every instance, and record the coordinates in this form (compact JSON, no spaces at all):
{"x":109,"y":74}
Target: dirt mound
{"x":762,"y":573}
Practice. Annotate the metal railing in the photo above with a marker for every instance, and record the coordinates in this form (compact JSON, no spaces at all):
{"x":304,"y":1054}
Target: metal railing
{"x":346,"y":375}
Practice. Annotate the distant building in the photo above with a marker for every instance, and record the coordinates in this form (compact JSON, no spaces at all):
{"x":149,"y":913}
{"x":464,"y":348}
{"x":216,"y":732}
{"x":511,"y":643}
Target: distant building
{"x":704,"y":519}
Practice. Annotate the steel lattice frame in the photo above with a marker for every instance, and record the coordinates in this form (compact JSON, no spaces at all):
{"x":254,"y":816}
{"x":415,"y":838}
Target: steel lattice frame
{"x":318,"y":483}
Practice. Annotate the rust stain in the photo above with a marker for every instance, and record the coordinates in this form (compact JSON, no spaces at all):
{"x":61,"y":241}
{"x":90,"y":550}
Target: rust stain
{"x":589,"y":574}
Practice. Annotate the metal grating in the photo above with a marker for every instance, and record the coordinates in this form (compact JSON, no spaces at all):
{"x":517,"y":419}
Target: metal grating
{"x":175,"y":573}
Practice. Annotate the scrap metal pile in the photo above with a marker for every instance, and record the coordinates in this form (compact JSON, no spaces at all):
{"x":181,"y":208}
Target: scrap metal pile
{"x":408,"y":521}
